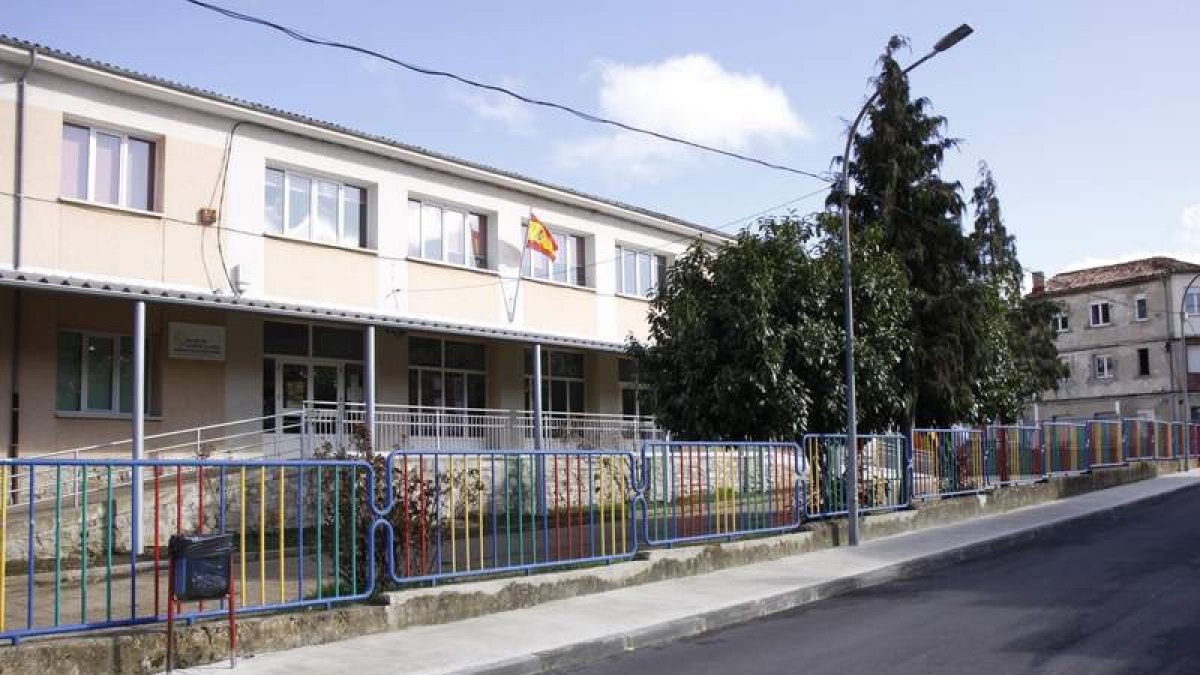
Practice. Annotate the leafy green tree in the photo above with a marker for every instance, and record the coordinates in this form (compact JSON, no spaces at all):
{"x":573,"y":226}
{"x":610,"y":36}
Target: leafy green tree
{"x":897,"y":167}
{"x":1019,"y":358}
{"x":746,"y":341}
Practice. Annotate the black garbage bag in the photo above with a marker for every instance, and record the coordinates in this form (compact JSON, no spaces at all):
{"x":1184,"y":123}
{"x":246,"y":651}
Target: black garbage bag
{"x":201,"y":564}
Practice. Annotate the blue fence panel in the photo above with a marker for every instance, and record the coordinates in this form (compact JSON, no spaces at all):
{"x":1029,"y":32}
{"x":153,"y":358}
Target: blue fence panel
{"x":882,"y":473}
{"x":463,"y":513}
{"x":69,"y":529}
{"x":698,"y":491}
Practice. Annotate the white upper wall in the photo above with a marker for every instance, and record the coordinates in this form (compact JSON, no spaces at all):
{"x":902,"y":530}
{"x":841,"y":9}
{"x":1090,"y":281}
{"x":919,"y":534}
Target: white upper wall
{"x":192,"y":132}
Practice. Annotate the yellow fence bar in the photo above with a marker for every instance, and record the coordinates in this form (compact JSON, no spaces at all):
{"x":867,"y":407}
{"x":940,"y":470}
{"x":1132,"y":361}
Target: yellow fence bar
{"x":282,"y":530}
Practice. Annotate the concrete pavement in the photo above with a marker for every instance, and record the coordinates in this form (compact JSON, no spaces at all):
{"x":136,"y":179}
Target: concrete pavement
{"x":587,"y":629}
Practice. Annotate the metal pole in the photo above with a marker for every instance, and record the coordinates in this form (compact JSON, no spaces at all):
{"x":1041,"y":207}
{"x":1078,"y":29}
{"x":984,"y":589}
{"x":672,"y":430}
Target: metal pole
{"x":369,"y":385}
{"x":536,"y":396}
{"x":138,"y":416}
{"x":1187,"y":406}
{"x":948,"y":41}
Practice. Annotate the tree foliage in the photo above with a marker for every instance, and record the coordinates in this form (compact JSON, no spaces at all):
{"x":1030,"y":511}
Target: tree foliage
{"x":746,"y":341}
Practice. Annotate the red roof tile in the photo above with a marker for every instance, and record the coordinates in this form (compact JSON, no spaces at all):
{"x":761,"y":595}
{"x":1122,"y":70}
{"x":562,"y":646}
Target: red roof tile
{"x":1118,"y":274}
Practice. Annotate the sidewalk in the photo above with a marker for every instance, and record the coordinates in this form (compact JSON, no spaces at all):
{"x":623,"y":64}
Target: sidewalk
{"x":588,"y":628}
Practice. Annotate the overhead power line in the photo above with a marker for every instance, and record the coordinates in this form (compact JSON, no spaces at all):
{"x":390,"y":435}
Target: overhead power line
{"x":581,"y":114}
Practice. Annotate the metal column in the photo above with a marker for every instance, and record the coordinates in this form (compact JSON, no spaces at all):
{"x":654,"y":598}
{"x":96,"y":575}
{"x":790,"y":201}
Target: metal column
{"x":138,"y":416}
{"x":369,"y":385}
{"x":536,"y":396}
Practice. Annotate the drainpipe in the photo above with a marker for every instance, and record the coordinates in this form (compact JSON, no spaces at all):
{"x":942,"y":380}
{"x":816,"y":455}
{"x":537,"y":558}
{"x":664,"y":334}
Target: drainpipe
{"x":14,"y":395}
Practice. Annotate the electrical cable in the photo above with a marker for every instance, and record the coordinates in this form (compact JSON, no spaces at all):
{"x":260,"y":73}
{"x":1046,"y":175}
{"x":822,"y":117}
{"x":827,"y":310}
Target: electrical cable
{"x":586,"y":116}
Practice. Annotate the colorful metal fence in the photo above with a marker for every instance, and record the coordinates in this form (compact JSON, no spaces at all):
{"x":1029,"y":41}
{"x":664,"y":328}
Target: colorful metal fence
{"x":1105,"y":443}
{"x":1065,"y":445}
{"x":882,"y":474}
{"x":1146,"y":439}
{"x":695,"y":491}
{"x":1014,"y":454}
{"x":948,"y":462}
{"x":81,"y":568}
{"x":465,"y":513}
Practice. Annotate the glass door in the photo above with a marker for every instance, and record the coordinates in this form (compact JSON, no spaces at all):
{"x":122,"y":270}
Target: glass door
{"x":291,"y":393}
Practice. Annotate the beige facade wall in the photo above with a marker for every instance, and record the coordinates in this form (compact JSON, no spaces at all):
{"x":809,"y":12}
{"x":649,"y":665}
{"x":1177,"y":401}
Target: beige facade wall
{"x":320,"y":274}
{"x":183,"y":393}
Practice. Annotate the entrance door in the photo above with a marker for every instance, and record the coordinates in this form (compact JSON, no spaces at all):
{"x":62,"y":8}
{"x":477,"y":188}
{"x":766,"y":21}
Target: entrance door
{"x":291,"y":393}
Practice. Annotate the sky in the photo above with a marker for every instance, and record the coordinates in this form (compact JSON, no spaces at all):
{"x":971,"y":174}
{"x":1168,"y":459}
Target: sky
{"x":1088,"y":113}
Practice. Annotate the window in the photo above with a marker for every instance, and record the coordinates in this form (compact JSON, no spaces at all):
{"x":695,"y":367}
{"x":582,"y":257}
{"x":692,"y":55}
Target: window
{"x":1100,"y":315}
{"x":569,"y":267}
{"x":1066,"y":366}
{"x":107,"y":167}
{"x":1193,"y":358}
{"x":562,"y":381}
{"x":1105,"y":367}
{"x":639,"y":273}
{"x":446,"y":374}
{"x":633,"y":390}
{"x":446,"y":234}
{"x":1061,"y":323}
{"x":1143,"y":362}
{"x":95,"y":373}
{"x":316,"y":209}
{"x":1140,"y":309}
{"x":1191,"y":302}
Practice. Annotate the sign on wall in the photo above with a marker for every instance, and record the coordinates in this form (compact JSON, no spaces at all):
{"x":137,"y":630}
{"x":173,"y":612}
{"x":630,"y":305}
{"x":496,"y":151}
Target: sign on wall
{"x":195,"y":341}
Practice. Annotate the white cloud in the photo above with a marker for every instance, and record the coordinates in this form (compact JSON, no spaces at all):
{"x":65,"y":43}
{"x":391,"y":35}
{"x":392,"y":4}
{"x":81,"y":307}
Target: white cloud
{"x":1189,"y":221}
{"x":493,"y":107}
{"x":690,"y":96}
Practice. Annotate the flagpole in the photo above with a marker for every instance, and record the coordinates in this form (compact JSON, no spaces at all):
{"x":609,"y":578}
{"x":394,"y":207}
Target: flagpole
{"x":512,"y":310}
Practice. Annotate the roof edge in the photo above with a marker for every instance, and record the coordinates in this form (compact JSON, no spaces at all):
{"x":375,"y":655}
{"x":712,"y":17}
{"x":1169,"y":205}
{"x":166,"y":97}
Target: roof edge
{"x":14,"y":50}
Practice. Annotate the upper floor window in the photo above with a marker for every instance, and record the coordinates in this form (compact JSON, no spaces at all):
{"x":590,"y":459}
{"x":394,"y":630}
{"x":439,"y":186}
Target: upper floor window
{"x":108,"y":167}
{"x":1061,"y":323}
{"x":638,"y":272}
{"x":447,"y":235}
{"x":1141,"y":310}
{"x":1100,"y":314}
{"x":1191,"y":302}
{"x":313,"y":208}
{"x":1105,"y":367}
{"x":1143,"y":355}
{"x":570,"y":267}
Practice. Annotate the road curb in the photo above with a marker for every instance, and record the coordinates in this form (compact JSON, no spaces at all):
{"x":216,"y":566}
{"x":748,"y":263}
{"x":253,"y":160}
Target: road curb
{"x":598,"y":649}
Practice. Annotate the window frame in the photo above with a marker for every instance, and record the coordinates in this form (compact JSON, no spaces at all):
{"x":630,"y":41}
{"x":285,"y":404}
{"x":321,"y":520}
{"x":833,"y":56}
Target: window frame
{"x":658,"y":265}
{"x":123,"y":167}
{"x":1109,"y":370}
{"x":577,"y":275}
{"x":1191,"y":302}
{"x":416,"y":234}
{"x":315,"y":180}
{"x":1141,"y":308}
{"x":114,"y":379}
{"x":443,"y":370}
{"x":1143,"y":357}
{"x":1097,"y":308}
{"x":1062,"y":322}
{"x":549,"y":377}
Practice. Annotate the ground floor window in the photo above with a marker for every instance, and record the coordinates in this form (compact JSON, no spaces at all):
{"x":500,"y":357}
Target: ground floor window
{"x":634,"y":392}
{"x":94,"y":373}
{"x":446,"y":373}
{"x":562,"y":381}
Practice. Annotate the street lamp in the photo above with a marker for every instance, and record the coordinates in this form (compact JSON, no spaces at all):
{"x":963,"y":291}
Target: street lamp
{"x":949,"y":40}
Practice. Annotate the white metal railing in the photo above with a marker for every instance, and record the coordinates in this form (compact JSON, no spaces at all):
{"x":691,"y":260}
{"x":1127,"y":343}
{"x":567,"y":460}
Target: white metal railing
{"x":263,"y":437}
{"x":412,"y":427}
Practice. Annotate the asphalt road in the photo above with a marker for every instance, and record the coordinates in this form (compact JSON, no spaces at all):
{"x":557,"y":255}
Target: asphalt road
{"x":1122,"y":596}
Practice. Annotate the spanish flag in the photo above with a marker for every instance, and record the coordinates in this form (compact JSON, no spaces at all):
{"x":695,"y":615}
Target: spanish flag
{"x":540,"y":239}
